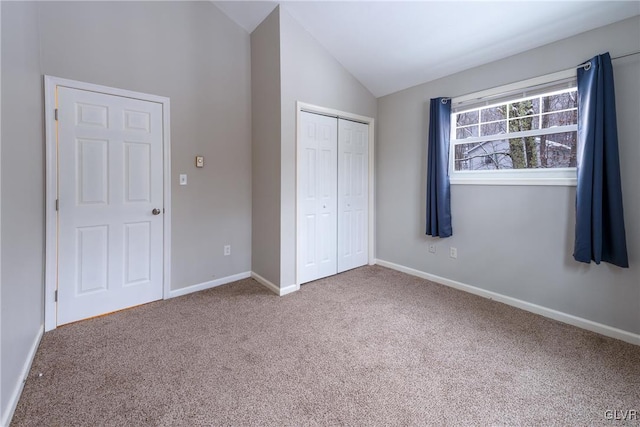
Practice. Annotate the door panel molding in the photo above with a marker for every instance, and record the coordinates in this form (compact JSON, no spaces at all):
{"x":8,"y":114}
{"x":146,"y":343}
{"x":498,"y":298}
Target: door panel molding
{"x":51,"y":185}
{"x":310,"y":108}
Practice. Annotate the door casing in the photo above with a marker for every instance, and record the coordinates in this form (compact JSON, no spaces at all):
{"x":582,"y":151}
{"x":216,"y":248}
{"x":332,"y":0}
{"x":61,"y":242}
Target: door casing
{"x":302,"y":106}
{"x":51,"y":185}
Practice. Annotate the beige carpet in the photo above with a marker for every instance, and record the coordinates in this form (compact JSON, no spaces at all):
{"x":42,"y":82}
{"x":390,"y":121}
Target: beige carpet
{"x":368,"y":347}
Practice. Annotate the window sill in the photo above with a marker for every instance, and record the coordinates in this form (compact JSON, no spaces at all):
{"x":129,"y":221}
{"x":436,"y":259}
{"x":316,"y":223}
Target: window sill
{"x":566,"y":182}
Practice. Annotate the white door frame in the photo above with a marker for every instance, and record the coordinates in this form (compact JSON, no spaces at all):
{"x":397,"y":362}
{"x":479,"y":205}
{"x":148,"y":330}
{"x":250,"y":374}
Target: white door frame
{"x":310,"y":108}
{"x":51,"y":186}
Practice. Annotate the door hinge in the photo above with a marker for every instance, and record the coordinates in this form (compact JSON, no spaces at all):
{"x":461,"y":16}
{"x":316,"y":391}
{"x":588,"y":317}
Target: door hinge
{"x":55,"y":296}
{"x":57,"y":205}
{"x":55,"y":114}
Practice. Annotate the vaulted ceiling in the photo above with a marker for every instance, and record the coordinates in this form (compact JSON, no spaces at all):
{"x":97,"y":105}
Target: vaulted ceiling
{"x":392,"y":45}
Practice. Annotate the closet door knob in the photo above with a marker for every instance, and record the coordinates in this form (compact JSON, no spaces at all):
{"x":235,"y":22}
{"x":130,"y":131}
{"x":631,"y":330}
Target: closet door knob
{"x":156,"y":211}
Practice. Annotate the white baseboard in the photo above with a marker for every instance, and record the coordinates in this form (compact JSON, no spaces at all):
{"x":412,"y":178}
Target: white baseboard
{"x":7,"y":414}
{"x":264,"y":282}
{"x":207,"y":285}
{"x":273,"y":287}
{"x":570,"y":319}
{"x":289,"y":289}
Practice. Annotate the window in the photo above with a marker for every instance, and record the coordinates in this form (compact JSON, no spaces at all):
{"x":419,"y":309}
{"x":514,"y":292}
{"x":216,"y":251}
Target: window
{"x":524,"y":133}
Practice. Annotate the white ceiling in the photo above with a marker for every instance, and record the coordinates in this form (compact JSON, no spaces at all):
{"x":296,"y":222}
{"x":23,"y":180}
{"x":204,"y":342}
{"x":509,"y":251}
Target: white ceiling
{"x":392,"y":45}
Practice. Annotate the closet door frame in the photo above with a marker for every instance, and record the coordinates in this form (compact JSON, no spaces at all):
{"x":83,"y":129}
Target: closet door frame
{"x":310,"y":108}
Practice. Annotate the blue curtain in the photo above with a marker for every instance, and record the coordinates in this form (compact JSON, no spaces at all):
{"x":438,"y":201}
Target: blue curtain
{"x":600,"y":234}
{"x":438,"y":196}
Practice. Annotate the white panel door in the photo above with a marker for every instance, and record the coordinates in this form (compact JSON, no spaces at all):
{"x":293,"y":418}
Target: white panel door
{"x":110,"y":239}
{"x":353,"y":190}
{"x":317,"y":204}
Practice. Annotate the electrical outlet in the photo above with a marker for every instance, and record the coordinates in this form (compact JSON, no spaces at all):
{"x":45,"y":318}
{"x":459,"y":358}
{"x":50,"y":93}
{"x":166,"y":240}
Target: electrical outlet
{"x":432,"y":248}
{"x":453,"y":252}
{"x":227,"y":250}
{"x":183,"y":179}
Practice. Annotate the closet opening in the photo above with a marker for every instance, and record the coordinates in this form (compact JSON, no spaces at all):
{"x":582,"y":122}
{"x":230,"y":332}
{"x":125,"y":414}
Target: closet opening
{"x":334,"y":192}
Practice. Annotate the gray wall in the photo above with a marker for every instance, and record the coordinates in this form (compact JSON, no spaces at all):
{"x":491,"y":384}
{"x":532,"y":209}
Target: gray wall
{"x":308,"y":74}
{"x":192,"y":53}
{"x":527,"y":254}
{"x":188,"y":51}
{"x":265,"y":128}
{"x":22,"y":195}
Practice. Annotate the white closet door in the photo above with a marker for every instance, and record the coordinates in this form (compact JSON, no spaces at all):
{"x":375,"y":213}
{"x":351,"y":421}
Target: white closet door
{"x":317,"y":198}
{"x":353,"y":180}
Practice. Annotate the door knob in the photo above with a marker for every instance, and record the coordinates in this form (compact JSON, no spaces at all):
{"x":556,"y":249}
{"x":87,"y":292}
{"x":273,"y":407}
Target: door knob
{"x":156,"y":211}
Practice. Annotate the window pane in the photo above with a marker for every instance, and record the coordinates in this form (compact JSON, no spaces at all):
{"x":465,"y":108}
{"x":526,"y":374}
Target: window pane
{"x":523,"y":153}
{"x":469,"y":118}
{"x":557,"y":150}
{"x":494,"y":113}
{"x":560,"y":119}
{"x":562,"y":101}
{"x":490,"y":155}
{"x":493,"y":128}
{"x":466,"y":132}
{"x":535,"y":103}
{"x":524,"y":108}
{"x":519,"y":125}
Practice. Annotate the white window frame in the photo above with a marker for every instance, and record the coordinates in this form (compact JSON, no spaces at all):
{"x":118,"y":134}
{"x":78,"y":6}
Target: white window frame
{"x":550,"y":176}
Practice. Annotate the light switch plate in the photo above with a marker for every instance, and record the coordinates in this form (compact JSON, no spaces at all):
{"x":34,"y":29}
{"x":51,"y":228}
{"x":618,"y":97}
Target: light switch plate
{"x":199,"y":161}
{"x":183,"y":179}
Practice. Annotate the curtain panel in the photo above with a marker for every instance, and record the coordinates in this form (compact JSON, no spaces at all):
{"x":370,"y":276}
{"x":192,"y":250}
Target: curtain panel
{"x":600,"y":231}
{"x":438,"y":191}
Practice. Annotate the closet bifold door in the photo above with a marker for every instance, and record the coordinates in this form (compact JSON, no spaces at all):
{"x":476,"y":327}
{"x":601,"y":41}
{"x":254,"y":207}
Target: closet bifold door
{"x":353,"y":190}
{"x":317,"y":196}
